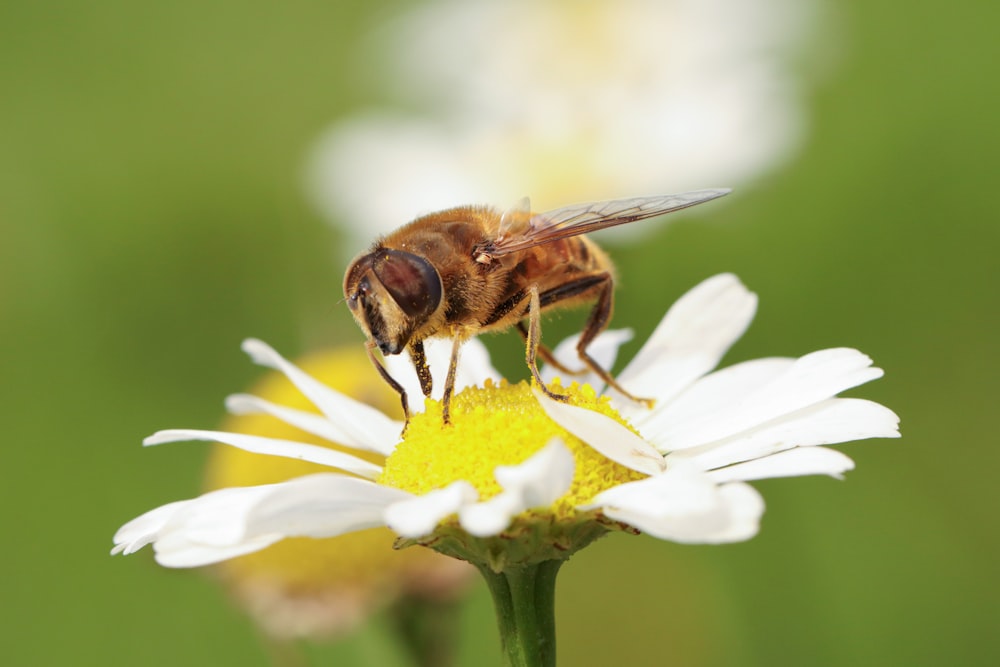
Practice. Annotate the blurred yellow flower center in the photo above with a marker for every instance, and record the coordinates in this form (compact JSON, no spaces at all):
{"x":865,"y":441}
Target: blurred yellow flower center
{"x":499,"y":424}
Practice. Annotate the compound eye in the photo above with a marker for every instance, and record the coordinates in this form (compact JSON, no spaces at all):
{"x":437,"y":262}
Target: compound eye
{"x":356,"y":285}
{"x":411,"y":281}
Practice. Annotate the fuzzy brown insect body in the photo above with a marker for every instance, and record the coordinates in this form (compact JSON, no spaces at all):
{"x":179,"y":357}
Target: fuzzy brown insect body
{"x":471,"y":269}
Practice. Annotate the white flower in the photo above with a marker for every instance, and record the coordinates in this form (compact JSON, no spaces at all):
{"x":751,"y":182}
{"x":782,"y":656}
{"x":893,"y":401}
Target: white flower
{"x":565,"y":102}
{"x":709,"y":434}
{"x":682,"y":477}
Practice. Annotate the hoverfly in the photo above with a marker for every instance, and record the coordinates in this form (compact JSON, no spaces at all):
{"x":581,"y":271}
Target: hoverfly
{"x":473,"y":269}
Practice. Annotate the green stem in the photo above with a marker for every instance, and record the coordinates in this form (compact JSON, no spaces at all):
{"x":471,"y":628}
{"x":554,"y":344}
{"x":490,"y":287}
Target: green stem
{"x":524,"y":598}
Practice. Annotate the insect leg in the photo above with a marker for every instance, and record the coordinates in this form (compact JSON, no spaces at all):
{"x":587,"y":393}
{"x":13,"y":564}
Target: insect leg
{"x":546,"y":354}
{"x":596,"y":323}
{"x":534,"y":339}
{"x":449,"y":383}
{"x":420,"y":364}
{"x":370,"y":348}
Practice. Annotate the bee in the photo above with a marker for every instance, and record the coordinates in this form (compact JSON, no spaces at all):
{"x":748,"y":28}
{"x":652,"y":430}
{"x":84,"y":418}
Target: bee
{"x":473,"y":269}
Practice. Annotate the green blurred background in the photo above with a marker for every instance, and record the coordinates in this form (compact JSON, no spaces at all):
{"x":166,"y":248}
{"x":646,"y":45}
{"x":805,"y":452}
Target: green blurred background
{"x":153,"y":215}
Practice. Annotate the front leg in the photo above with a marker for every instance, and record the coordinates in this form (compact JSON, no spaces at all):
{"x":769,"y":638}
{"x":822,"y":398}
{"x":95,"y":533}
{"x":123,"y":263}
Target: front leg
{"x":419,"y":360}
{"x":370,"y":349}
{"x":449,"y":383}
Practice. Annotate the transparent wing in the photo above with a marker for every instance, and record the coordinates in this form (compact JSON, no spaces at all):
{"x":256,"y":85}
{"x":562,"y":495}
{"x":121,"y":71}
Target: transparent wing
{"x":591,"y":216}
{"x":516,"y":219}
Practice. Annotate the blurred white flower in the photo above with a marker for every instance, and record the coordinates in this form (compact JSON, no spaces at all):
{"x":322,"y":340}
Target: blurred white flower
{"x":564,"y":102}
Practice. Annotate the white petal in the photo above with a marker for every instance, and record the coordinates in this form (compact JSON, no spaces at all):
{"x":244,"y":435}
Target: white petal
{"x":143,"y":529}
{"x":604,"y":350}
{"x":490,"y":517}
{"x":828,"y":422}
{"x":273,"y":447}
{"x":541,"y":479}
{"x":538,"y":482}
{"x":175,"y":551}
{"x":751,"y":394}
{"x":605,"y":435}
{"x":684,"y":505}
{"x":709,"y":397}
{"x":216,"y":519}
{"x":680,"y":489}
{"x":690,"y":340}
{"x":322,"y":505}
{"x":790,"y":463}
{"x":746,"y":506}
{"x":364,"y":426}
{"x":401,"y":369}
{"x":419,"y":515}
{"x":230,"y":522}
{"x":473,"y":368}
{"x":310,"y":422}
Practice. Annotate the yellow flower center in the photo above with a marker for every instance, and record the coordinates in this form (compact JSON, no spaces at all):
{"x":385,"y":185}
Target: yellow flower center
{"x":499,"y":424}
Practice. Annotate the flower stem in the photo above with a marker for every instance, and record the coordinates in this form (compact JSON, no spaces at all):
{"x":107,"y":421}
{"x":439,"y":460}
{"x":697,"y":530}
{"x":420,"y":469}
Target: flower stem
{"x":524,"y":598}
